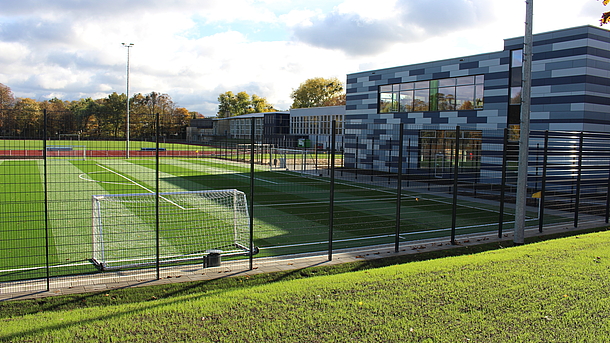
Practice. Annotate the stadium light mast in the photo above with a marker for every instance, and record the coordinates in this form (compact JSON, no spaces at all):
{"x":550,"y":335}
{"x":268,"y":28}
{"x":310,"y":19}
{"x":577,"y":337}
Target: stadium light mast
{"x":127,"y":45}
{"x":524,"y":129}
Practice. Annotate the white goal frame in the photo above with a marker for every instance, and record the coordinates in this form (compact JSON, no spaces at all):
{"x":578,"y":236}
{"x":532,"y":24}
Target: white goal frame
{"x":76,"y":152}
{"x":289,"y":159}
{"x":191,"y":225}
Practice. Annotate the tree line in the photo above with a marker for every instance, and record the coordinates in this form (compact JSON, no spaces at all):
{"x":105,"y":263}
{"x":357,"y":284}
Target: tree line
{"x":315,"y":92}
{"x":106,"y":117}
{"x":99,"y":118}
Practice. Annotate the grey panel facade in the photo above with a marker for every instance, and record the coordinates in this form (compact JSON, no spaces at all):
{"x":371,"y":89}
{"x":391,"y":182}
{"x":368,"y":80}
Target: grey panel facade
{"x":570,"y":89}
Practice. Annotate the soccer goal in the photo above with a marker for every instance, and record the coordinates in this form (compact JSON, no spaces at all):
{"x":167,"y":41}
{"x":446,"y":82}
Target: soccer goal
{"x":289,"y":159}
{"x":71,"y":152}
{"x":191,"y":225}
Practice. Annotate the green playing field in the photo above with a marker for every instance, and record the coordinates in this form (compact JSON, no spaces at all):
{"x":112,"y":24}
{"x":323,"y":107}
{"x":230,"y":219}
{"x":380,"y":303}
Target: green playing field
{"x":291,"y":210}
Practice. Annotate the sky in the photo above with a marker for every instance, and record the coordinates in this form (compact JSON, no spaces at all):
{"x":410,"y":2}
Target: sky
{"x":195,"y":50}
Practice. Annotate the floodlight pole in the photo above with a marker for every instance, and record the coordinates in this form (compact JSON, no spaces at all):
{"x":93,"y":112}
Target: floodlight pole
{"x":127,"y":45}
{"x":524,"y":130}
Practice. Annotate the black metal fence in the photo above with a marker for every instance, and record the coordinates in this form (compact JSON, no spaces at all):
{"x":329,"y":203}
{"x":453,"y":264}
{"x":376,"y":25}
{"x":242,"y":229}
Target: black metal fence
{"x":393,"y":184}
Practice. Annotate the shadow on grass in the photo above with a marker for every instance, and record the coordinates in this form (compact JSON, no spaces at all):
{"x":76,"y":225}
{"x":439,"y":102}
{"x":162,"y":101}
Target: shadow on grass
{"x":129,"y":295}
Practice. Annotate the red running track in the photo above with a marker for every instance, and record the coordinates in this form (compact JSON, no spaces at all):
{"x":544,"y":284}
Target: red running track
{"x":104,"y":153}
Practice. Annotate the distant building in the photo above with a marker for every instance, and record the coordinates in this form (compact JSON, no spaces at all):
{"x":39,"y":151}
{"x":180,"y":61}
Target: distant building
{"x":313,"y":125}
{"x":481,"y":94}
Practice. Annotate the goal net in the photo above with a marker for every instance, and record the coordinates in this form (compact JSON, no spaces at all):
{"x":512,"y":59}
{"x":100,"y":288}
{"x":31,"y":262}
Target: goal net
{"x":191,"y":226}
{"x":290,"y":159}
{"x":73,"y":152}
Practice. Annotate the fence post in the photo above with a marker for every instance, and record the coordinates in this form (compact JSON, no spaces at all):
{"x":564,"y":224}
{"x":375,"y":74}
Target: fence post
{"x":356,"y":160}
{"x":331,"y":209}
{"x":390,"y":160}
{"x":398,"y":187}
{"x":372,"y":159}
{"x":408,"y":161}
{"x":578,"y":178}
{"x":503,"y":183}
{"x":608,"y":197}
{"x":157,"y":233}
{"x":545,"y":159}
{"x":46,"y":199}
{"x":455,"y":183}
{"x":251,"y":205}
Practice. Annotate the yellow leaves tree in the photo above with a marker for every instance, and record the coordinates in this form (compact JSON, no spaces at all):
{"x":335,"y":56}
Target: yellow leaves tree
{"x":606,"y":15}
{"x":317,"y":92}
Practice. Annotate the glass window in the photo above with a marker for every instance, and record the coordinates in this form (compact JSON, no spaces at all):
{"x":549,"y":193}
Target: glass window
{"x":421,"y":84}
{"x":446,"y":99}
{"x":466,"y":80}
{"x":464,"y":97}
{"x":406,"y":101}
{"x":385,"y":102}
{"x":433,"y":95}
{"x":516,"y":59}
{"x":421,"y":100}
{"x":515,"y":96}
{"x":446,"y":82}
{"x":459,"y":93}
{"x":478,"y":96}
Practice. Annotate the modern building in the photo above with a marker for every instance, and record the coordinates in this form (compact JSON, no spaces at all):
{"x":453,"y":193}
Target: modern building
{"x":481,"y":94}
{"x":302,"y":127}
{"x":313,"y":125}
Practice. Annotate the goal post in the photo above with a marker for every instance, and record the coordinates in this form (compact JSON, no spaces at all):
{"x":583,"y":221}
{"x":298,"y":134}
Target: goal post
{"x":289,"y":159}
{"x":74,"y":152}
{"x":191,"y":225}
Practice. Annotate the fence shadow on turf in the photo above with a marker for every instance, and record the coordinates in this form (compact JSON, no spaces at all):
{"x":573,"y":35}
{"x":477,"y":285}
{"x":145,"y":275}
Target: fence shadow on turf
{"x":378,"y":184}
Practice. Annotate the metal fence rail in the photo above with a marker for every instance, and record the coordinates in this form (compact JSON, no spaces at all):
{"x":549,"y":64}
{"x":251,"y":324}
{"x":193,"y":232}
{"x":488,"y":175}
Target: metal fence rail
{"x":394,"y":184}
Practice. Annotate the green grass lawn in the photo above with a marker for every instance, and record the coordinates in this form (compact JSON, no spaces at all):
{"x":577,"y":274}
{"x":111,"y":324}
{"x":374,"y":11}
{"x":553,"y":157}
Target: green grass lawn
{"x":291,"y":211}
{"x":553,"y":291}
{"x":37,"y":144}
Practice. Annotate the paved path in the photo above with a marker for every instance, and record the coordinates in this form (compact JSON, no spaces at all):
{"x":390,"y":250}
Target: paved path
{"x":100,"y":282}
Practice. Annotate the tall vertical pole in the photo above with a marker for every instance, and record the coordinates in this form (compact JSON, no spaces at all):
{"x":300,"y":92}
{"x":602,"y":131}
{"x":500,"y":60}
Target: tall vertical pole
{"x":526,"y":85}
{"x":46,"y":198}
{"x":399,"y":187}
{"x":157,"y":191}
{"x":456,"y":170}
{"x":503,"y":183}
{"x":251,"y":209}
{"x":578,"y":178}
{"x":331,"y":205}
{"x":127,"y":124}
{"x":545,"y":160}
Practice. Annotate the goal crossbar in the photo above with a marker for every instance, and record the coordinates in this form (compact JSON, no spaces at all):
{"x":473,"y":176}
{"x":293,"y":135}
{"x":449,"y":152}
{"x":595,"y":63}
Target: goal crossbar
{"x":133,"y":230}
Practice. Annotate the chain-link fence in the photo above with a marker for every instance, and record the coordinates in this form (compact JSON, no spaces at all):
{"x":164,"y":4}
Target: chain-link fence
{"x":73,"y":205}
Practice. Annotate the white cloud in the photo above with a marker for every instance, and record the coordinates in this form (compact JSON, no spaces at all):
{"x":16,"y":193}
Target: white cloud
{"x":195,"y":50}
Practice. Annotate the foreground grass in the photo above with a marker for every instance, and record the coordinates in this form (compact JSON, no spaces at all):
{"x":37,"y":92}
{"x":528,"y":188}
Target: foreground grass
{"x":550,"y":291}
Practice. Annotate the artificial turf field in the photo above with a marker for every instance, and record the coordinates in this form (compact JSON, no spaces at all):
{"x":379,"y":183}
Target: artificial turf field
{"x":291,"y":210}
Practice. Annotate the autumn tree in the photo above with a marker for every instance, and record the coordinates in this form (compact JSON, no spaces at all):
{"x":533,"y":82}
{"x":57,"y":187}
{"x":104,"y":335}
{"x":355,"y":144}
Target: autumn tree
{"x":606,"y":15}
{"x":85,"y":112}
{"x":29,"y":116}
{"x":230,"y":104}
{"x":7,"y":118}
{"x":7,"y":98}
{"x":317,"y":92}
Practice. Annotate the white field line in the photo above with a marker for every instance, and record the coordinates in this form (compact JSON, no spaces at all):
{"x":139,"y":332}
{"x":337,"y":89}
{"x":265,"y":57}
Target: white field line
{"x":139,"y":185}
{"x":407,"y":195}
{"x":85,"y":177}
{"x":256,"y":178}
{"x":209,"y":169}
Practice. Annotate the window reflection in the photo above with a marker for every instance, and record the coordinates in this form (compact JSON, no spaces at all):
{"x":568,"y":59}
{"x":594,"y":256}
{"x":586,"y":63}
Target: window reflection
{"x":421,"y":100}
{"x":460,"y":93}
{"x":515,"y":95}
